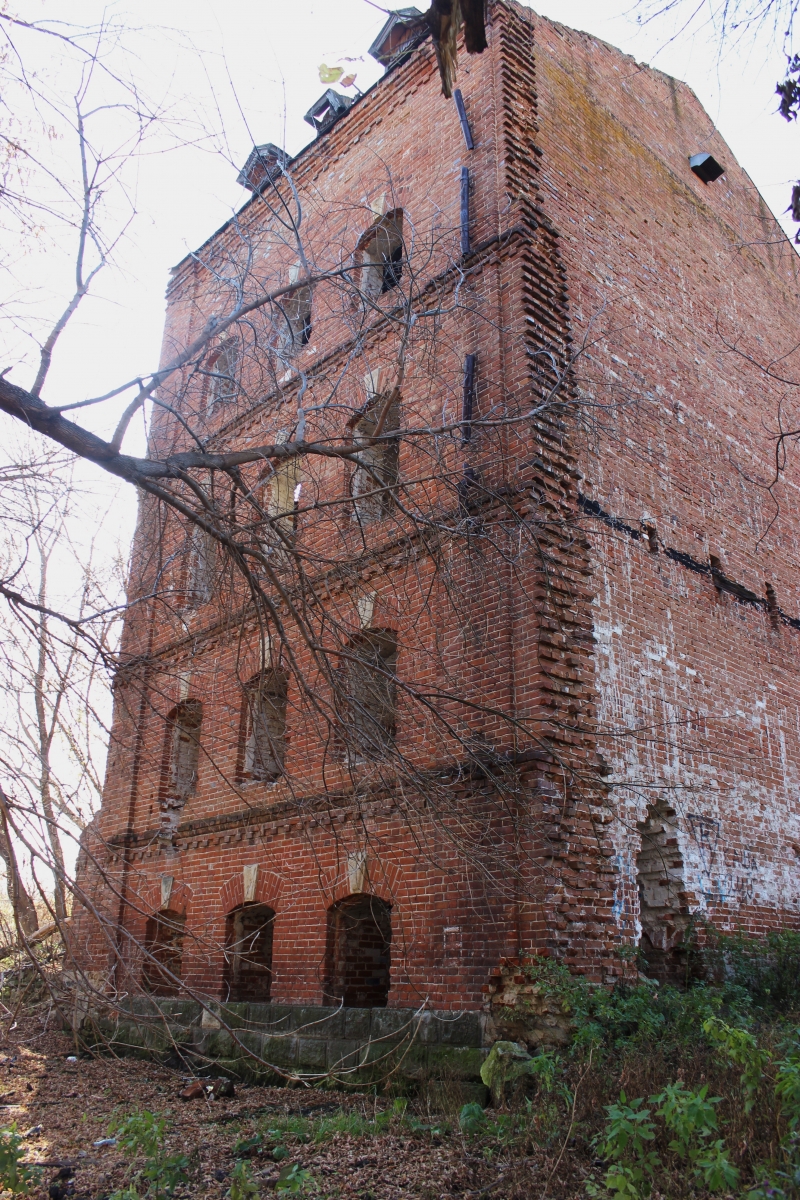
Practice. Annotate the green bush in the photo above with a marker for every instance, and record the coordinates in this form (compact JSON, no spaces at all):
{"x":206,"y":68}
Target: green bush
{"x":767,"y":969}
{"x":15,"y":1177}
{"x":143,"y":1134}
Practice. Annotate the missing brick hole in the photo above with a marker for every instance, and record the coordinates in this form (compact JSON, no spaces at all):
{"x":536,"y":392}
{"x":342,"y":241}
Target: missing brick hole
{"x":773,"y":607}
{"x":652,"y":538}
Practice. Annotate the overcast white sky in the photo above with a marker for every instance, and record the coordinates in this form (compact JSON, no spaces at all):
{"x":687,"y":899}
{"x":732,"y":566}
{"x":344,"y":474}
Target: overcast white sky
{"x":248,"y":72}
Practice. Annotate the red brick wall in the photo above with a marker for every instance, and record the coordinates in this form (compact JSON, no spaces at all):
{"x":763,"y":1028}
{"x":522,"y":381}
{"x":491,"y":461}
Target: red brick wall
{"x":608,"y":657}
{"x":697,"y":688}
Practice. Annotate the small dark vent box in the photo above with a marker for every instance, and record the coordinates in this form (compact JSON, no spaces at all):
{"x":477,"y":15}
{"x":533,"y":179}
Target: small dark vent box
{"x":264,"y":164}
{"x":404,"y":30}
{"x":330,"y":106}
{"x":705,"y":167}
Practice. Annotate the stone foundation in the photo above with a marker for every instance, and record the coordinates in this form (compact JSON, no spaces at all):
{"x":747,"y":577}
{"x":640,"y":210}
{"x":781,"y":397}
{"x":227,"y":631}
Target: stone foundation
{"x":400,"y":1049}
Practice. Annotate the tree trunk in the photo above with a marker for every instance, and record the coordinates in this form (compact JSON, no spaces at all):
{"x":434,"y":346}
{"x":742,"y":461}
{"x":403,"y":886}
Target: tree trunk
{"x":21,"y":903}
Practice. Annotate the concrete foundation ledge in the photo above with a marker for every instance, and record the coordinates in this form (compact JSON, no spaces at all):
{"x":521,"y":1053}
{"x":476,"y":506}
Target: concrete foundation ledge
{"x":268,"y":1043}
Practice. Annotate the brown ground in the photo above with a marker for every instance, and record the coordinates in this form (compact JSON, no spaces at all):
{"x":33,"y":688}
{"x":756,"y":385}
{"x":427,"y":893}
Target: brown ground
{"x":67,"y":1106}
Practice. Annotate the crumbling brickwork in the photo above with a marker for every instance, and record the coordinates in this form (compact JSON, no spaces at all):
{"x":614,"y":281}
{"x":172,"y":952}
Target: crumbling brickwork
{"x":644,"y":669}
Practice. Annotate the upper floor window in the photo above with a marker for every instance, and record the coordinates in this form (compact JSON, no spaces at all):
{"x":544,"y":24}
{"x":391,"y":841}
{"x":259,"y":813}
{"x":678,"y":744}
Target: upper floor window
{"x":377,"y":472}
{"x":293,"y":319}
{"x":202,"y":568}
{"x":183,"y":739}
{"x":284,"y":490}
{"x":265,"y":746}
{"x":223,"y":373}
{"x":381,"y":250}
{"x":370,"y":694}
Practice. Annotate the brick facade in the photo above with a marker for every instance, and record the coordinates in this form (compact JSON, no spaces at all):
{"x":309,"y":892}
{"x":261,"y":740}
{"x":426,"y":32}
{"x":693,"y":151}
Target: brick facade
{"x":626,"y":664}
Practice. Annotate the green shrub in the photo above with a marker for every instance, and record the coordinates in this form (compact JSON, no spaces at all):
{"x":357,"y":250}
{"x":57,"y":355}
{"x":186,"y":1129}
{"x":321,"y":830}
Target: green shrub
{"x":295,"y":1179}
{"x":143,"y":1134}
{"x":243,"y":1186}
{"x":768,"y":969}
{"x":15,"y":1177}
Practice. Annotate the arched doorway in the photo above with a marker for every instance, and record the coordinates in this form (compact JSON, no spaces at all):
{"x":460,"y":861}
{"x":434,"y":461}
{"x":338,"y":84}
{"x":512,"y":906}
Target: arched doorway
{"x":358,"y":952}
{"x":163,"y":942}
{"x":248,"y":953}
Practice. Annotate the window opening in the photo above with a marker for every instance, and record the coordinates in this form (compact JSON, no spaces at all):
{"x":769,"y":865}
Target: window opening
{"x":377,"y":472}
{"x":382,"y":256}
{"x":265,"y":748}
{"x":248,"y":953}
{"x":182,"y":755}
{"x":663,"y":908}
{"x":358,"y":952}
{"x":295,"y":321}
{"x":163,"y":941}
{"x":202,"y":568}
{"x":371,"y":695}
{"x":223,"y":373}
{"x":283,"y":495}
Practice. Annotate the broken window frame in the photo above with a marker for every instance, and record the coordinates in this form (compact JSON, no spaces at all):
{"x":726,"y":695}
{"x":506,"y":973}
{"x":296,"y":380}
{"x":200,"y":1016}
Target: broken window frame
{"x":381,"y":255}
{"x":265,"y":731}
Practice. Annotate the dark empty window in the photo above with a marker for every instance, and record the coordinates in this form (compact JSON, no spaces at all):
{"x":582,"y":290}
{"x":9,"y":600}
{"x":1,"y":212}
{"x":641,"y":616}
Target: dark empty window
{"x":293,"y":320}
{"x":377,"y":472}
{"x":223,"y":372}
{"x":382,"y":255}
{"x":163,"y":943}
{"x":248,"y":953}
{"x":358,"y":952}
{"x":370,"y":695}
{"x":266,"y":726}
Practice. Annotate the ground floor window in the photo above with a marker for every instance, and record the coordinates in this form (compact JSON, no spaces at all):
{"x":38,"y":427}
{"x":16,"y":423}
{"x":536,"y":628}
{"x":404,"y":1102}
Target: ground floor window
{"x":163,"y":943}
{"x":248,"y":953}
{"x":358,"y":952}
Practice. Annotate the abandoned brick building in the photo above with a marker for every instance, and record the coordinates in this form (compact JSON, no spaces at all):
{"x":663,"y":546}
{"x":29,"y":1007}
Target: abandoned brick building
{"x":603,"y":693}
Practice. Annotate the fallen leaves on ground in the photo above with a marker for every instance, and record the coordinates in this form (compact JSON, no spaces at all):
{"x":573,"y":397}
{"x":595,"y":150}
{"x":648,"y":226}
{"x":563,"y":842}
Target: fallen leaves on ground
{"x":64,"y":1100}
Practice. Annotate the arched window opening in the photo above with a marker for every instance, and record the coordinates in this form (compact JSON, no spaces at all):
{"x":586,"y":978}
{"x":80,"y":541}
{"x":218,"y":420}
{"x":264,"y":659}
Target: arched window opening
{"x":358,"y":952}
{"x":377,"y":473}
{"x":223,"y":368}
{"x":163,"y":943}
{"x":382,"y":255}
{"x":248,"y":953}
{"x":202,"y":568}
{"x":370,"y":694}
{"x":265,"y":747}
{"x":663,"y":908}
{"x":182,"y":751}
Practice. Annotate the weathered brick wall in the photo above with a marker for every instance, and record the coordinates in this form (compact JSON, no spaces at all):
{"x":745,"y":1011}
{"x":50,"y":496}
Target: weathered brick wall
{"x":640,"y":694}
{"x":697,"y":687}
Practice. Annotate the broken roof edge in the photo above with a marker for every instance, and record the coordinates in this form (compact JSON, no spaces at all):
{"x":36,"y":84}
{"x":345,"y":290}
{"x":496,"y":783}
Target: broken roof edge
{"x":290,"y":161}
{"x":400,"y":61}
